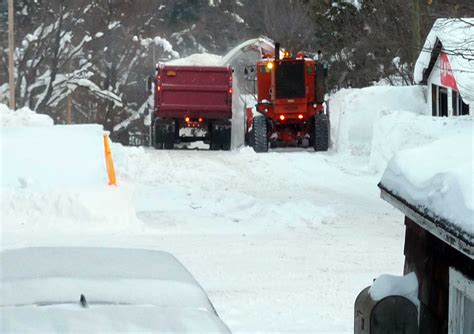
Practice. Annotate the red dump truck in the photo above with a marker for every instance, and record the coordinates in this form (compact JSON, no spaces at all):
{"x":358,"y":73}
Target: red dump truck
{"x":192,"y":103}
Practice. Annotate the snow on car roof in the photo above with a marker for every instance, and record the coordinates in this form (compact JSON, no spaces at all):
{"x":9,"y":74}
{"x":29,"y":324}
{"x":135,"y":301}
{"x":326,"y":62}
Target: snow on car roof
{"x":102,"y":275}
{"x":437,"y":179}
{"x":457,"y":38}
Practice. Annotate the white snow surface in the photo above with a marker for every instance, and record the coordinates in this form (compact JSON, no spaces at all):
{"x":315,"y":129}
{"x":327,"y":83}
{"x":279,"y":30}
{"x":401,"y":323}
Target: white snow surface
{"x":107,"y":319}
{"x":22,"y":117}
{"x":438,"y":177}
{"x":390,"y":285}
{"x":293,"y":235}
{"x":130,"y":289}
{"x":262,"y":44}
{"x":396,"y":130}
{"x":358,"y":114}
{"x":34,"y":275}
{"x":198,"y":59}
{"x":54,"y":176}
{"x":457,"y":38}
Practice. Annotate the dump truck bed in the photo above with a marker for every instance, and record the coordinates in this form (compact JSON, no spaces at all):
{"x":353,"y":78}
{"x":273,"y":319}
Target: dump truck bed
{"x":193,"y":91}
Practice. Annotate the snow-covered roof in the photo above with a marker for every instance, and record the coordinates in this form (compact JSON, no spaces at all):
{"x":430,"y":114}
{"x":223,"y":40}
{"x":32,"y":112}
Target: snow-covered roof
{"x":435,"y":183}
{"x":457,"y":39}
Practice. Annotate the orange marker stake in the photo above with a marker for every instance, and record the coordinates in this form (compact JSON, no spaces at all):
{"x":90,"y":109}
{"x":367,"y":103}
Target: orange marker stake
{"x":109,"y":163}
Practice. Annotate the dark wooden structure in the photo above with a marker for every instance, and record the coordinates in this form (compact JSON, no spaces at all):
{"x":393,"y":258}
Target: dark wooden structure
{"x":432,"y":247}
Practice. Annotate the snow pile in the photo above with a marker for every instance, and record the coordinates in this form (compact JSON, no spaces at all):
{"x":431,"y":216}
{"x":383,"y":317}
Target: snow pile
{"x":198,"y":59}
{"x":389,"y":285}
{"x":353,"y":113}
{"x":261,"y":45}
{"x":398,"y":130}
{"x":22,"y":117}
{"x":56,"y":174}
{"x":438,"y":179}
{"x":457,"y":38}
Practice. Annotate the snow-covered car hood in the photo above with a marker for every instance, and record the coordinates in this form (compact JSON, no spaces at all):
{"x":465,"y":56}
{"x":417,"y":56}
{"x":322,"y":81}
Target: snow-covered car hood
{"x":72,"y":318}
{"x":143,"y":289}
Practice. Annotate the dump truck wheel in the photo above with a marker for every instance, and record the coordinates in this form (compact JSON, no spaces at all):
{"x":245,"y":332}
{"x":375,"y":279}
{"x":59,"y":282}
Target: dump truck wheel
{"x":215,"y":137}
{"x":226,"y":136}
{"x":169,"y":139}
{"x":321,"y":132}
{"x":260,"y":137}
{"x":159,"y":135}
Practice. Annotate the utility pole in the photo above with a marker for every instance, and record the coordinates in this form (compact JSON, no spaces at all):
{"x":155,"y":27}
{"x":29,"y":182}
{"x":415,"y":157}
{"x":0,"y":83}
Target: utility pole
{"x":416,"y":38}
{"x":11,"y":50}
{"x":69,"y":109}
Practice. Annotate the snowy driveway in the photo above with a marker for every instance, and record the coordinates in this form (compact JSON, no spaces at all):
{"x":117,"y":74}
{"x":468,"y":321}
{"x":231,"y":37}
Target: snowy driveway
{"x":282,"y":242}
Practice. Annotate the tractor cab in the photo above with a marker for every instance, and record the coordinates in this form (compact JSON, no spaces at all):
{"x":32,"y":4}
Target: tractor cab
{"x":290,"y":103}
{"x":286,"y":88}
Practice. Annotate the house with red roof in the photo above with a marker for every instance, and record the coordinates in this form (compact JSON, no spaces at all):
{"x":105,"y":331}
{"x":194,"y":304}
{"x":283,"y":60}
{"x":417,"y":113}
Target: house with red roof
{"x":446,"y":66}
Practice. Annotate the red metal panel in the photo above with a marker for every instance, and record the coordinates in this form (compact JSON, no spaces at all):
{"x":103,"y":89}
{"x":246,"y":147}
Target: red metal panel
{"x":196,"y":91}
{"x":447,"y":77}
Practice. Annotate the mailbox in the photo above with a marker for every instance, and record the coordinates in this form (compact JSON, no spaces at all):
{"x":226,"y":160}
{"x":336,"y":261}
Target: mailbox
{"x":392,"y":314}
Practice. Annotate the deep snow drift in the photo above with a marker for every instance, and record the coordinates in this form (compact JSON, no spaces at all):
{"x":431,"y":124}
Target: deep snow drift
{"x":438,"y":178}
{"x":55,"y":176}
{"x":355,"y":113}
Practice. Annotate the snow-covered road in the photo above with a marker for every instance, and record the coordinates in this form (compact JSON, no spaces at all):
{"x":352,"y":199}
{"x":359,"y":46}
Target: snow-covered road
{"x":281,"y":241}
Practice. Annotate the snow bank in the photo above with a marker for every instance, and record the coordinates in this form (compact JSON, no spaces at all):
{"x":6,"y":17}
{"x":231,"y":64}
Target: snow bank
{"x":22,"y":117}
{"x":354,"y":112}
{"x":55,"y":156}
{"x":394,"y":131}
{"x":56,"y":174}
{"x":389,"y":285}
{"x":437,"y":178}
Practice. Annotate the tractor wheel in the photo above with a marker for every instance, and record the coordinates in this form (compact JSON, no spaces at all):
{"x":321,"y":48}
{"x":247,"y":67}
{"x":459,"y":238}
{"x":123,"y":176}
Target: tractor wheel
{"x":260,"y":137}
{"x":321,"y":132}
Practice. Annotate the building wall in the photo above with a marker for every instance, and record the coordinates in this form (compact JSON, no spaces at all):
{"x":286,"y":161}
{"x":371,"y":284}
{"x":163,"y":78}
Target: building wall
{"x":435,"y":79}
{"x":430,"y":259}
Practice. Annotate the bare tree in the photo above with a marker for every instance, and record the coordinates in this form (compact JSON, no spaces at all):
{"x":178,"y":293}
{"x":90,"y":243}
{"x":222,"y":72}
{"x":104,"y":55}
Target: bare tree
{"x":287,"y":21}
